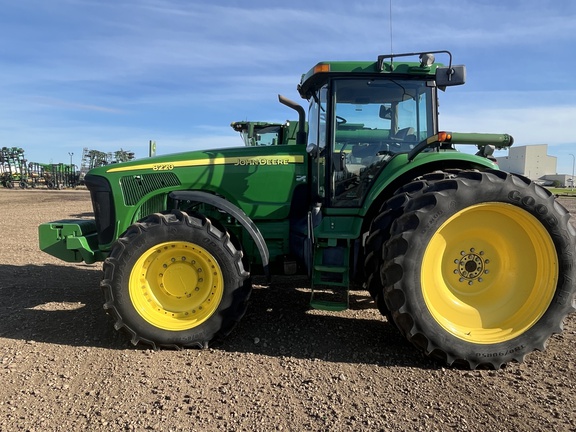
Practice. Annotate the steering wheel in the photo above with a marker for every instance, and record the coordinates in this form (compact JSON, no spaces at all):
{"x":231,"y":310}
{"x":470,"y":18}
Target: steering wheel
{"x":340,"y":120}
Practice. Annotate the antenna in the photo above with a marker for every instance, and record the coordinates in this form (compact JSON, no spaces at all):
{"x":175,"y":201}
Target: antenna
{"x":390,"y":21}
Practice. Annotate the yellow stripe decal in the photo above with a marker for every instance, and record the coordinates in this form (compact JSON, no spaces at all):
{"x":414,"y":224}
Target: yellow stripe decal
{"x":252,"y":160}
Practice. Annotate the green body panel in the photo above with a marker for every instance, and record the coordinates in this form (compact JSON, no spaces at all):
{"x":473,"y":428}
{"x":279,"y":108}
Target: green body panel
{"x":341,"y":226}
{"x":245,"y":176}
{"x":261,"y":183}
{"x":258,"y":180}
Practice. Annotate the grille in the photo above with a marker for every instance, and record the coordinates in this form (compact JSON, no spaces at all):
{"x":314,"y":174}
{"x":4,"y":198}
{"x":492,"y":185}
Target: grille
{"x":103,"y":206}
{"x":135,"y":187}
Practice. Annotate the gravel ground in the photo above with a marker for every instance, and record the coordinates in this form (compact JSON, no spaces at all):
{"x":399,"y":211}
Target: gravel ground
{"x":64,"y":367}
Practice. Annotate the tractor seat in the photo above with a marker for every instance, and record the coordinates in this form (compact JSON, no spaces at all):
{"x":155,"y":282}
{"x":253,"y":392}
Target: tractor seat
{"x":406,"y":134}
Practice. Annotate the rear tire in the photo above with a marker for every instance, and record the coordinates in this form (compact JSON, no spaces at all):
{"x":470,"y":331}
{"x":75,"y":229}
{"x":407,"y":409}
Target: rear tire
{"x":380,"y":234}
{"x":176,"y":281}
{"x":479,"y":269}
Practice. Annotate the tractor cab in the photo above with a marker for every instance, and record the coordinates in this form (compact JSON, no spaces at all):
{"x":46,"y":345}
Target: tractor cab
{"x":363,"y":114}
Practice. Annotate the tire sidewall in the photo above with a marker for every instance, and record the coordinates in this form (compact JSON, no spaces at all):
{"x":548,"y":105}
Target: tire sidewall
{"x":151,"y":235}
{"x":511,"y":191}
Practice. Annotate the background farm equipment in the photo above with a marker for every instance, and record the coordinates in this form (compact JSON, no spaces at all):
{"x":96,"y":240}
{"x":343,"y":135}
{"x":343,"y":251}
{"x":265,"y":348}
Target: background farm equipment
{"x":264,"y":133}
{"x":13,"y":169}
{"x":96,"y":158}
{"x":60,"y":176}
{"x":123,"y":156}
{"x":36,"y":174}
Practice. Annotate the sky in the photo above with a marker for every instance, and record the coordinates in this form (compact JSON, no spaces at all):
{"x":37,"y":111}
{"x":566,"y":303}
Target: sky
{"x":114,"y":74}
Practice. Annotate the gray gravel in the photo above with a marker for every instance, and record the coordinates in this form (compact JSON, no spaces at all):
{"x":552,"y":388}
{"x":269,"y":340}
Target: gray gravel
{"x":285,"y":367}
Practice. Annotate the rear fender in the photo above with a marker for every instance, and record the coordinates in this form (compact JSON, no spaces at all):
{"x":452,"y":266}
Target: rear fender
{"x":399,"y":172}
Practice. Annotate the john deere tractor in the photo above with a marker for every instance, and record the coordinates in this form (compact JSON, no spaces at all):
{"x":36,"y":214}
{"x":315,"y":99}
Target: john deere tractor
{"x":473,"y":265}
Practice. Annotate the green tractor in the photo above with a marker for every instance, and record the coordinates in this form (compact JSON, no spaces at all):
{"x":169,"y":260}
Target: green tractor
{"x":473,"y":265}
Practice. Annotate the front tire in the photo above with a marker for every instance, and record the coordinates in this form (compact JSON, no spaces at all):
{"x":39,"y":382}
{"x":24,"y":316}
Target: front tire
{"x":175,"y":280}
{"x":479,"y":269}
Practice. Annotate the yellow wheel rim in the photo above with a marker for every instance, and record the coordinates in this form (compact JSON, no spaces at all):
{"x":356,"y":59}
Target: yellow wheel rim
{"x":489,"y":273}
{"x":176,"y":285}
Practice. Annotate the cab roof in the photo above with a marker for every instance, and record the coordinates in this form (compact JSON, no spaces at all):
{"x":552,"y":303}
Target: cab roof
{"x":385,"y":65}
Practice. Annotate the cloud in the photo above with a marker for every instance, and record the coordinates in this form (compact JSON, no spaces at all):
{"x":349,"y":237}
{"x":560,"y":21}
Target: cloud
{"x":116,"y":73}
{"x":532,"y":117}
{"x":59,"y":103}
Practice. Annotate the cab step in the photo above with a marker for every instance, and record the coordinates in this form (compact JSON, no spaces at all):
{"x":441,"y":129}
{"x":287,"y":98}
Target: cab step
{"x":329,"y":298}
{"x":331,"y":276}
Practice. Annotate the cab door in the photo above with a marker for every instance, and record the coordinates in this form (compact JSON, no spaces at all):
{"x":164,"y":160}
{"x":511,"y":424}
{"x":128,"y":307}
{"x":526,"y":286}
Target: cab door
{"x":316,"y":148}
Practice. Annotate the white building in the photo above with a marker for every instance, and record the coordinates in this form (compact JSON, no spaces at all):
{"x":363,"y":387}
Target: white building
{"x":531,"y":161}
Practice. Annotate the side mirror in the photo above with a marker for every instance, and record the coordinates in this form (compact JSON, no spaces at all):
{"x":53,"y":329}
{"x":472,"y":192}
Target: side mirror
{"x":450,"y":76}
{"x":385,"y":112}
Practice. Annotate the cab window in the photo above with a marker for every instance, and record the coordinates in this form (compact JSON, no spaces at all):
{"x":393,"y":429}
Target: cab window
{"x":373,"y":121}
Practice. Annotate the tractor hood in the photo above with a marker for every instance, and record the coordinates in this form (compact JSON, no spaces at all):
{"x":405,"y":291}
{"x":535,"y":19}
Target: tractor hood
{"x":259,"y":180}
